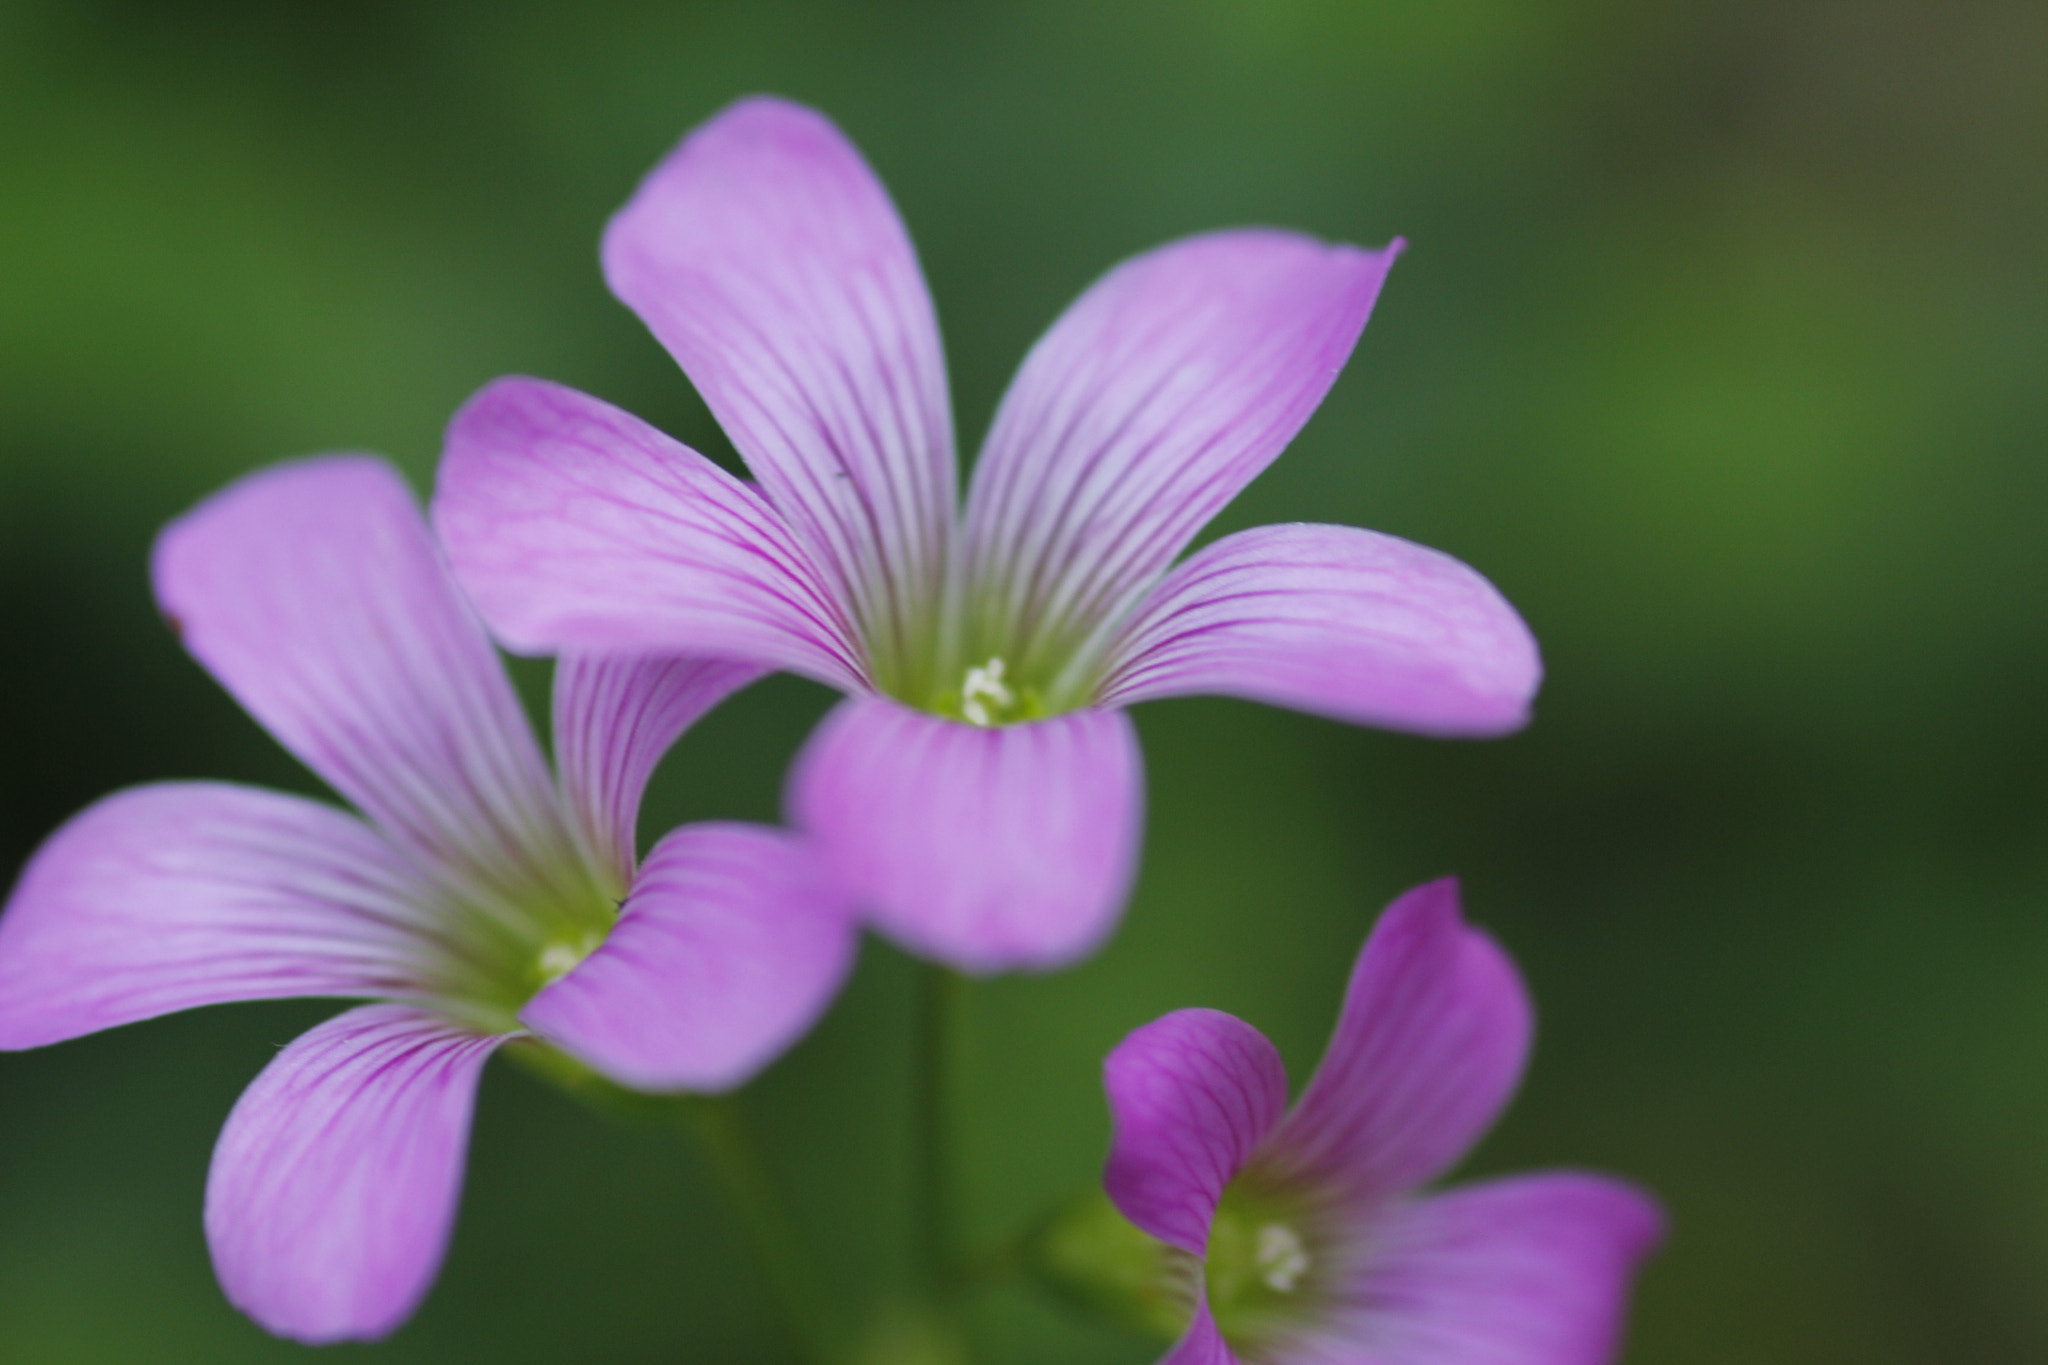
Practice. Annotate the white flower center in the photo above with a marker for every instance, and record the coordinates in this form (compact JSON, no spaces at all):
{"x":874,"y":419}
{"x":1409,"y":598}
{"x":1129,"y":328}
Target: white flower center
{"x":984,"y":688}
{"x":1280,"y":1257}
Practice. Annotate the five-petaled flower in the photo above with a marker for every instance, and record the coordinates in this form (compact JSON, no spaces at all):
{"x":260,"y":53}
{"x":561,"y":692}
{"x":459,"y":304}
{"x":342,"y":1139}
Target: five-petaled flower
{"x":980,"y":790}
{"x":480,"y":901}
{"x":1310,"y":1241}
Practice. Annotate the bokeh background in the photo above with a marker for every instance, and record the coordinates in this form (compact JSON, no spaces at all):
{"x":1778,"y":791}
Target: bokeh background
{"x":1719,"y":348}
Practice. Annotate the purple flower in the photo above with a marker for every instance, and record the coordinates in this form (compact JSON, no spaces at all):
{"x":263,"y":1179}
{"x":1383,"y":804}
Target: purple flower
{"x":980,"y":791}
{"x":1313,"y":1245}
{"x":479,"y":902}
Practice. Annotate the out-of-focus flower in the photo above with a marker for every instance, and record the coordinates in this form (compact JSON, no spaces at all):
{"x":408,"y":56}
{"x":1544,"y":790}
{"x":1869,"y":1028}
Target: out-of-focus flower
{"x":1307,"y":1239}
{"x":480,"y":901}
{"x":980,"y":790}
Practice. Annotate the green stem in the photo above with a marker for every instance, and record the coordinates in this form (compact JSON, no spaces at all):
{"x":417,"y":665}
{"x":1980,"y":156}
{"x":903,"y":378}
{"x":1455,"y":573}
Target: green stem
{"x":720,"y":1126}
{"x":940,"y":1056}
{"x":785,"y":1258}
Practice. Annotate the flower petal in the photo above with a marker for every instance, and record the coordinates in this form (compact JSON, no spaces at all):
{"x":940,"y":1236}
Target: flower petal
{"x":767,"y":258}
{"x":988,"y":849}
{"x":1191,"y":1094}
{"x":577,"y":526}
{"x":1334,"y":620}
{"x":1429,"y":1047}
{"x":165,"y":897}
{"x":1157,"y":396}
{"x":1202,"y":1344}
{"x":315,"y":594}
{"x":1533,"y":1270}
{"x":334,"y":1184}
{"x":731,"y":944}
{"x":615,"y":716}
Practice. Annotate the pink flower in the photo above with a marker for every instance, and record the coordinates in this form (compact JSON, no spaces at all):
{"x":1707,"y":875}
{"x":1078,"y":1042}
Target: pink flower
{"x":480,"y":901}
{"x":980,"y":790}
{"x":1314,"y":1246}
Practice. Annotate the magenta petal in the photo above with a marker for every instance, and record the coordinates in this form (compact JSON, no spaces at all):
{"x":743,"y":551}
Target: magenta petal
{"x":334,"y":1184}
{"x":615,"y":716}
{"x":1202,"y":1344}
{"x":1430,"y":1045}
{"x":1532,"y":1270}
{"x":315,"y":594}
{"x":577,"y":526}
{"x":1342,"y":622}
{"x":1191,"y":1096}
{"x":1158,"y":395}
{"x":988,"y":849}
{"x":769,"y":261}
{"x":731,"y":944}
{"x":165,"y":897}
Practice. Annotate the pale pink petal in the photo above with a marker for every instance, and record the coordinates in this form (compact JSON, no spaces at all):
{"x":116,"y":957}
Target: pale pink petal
{"x":987,"y":849}
{"x":1202,"y":1344}
{"x":315,"y":594}
{"x":731,"y":944}
{"x":767,"y":258}
{"x":615,"y":716}
{"x":577,"y":526}
{"x":1532,"y":1270}
{"x":1191,"y":1096}
{"x":1334,"y":620}
{"x":165,"y":897}
{"x":1428,"y":1050}
{"x":334,"y":1184}
{"x":1157,"y":396}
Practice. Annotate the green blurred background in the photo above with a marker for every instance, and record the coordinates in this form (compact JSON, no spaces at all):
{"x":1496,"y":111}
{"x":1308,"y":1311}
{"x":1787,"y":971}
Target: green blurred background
{"x":1719,"y":348}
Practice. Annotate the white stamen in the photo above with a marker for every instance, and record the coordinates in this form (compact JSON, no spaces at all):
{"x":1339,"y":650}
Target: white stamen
{"x":984,"y":685}
{"x":557,"y":959}
{"x":1281,"y":1258}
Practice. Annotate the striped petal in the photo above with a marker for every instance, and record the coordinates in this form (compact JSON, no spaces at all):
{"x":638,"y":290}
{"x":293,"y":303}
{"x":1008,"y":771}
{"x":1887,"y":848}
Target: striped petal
{"x":767,"y":258}
{"x":731,"y":944}
{"x":1530,"y":1270}
{"x":1429,"y":1047}
{"x":1337,"y":621}
{"x":577,"y":526}
{"x":165,"y":897}
{"x":1158,"y":395}
{"x":1192,"y":1095}
{"x":334,"y":1184}
{"x":1203,"y":1344}
{"x":615,"y":716}
{"x":988,"y":849}
{"x":315,"y":594}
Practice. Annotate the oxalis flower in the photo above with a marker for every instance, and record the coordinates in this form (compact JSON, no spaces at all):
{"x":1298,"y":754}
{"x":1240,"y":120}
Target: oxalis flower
{"x":1306,"y":1240}
{"x":479,"y":902}
{"x":979,"y":792}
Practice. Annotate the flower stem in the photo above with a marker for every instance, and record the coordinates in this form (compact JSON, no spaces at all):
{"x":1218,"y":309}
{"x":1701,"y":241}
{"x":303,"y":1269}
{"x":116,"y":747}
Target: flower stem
{"x":939,"y":1058}
{"x":785,"y":1258}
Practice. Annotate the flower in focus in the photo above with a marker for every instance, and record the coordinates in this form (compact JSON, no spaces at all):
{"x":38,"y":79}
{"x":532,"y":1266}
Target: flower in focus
{"x":1310,"y":1242}
{"x":980,"y":790}
{"x":479,"y":902}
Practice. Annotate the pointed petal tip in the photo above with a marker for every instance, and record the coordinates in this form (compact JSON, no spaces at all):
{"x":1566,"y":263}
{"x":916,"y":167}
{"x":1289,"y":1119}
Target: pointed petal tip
{"x":1429,"y":1046}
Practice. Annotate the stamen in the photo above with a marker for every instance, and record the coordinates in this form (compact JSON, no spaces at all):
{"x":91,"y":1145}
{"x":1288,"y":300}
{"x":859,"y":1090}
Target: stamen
{"x":984,"y":686}
{"x":559,"y":957}
{"x":1280,"y":1257}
